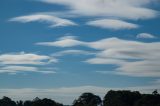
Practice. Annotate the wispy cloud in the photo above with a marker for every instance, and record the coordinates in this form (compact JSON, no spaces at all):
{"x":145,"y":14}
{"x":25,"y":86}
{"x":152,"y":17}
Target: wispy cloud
{"x":25,"y":58}
{"x":67,"y":41}
{"x":21,"y":69}
{"x":13,"y":63}
{"x":49,"y":19}
{"x":73,"y":52}
{"x":128,"y":9}
{"x":112,"y":24}
{"x":146,"y":36}
{"x":111,"y":13}
{"x":14,"y":69}
{"x":124,"y":53}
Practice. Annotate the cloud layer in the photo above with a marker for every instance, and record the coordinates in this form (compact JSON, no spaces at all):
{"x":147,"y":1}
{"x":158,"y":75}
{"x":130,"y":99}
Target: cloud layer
{"x":110,"y":14}
{"x":133,"y":58}
{"x":112,"y":24}
{"x":20,"y":62}
{"x":50,"y":19}
{"x":25,"y":58}
{"x":22,"y":69}
{"x":145,"y":36}
{"x":72,"y":52}
{"x":127,"y":9}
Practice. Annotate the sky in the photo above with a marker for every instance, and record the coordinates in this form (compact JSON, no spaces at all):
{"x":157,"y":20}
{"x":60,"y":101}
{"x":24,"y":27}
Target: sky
{"x":61,"y":48}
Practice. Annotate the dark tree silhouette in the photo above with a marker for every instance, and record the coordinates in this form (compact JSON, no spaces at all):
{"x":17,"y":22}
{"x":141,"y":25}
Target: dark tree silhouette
{"x":20,"y":103}
{"x":5,"y":101}
{"x":149,"y":100}
{"x":112,"y":98}
{"x":121,"y":98}
{"x":45,"y":102}
{"x":27,"y":103}
{"x":88,"y":99}
{"x":155,"y":92}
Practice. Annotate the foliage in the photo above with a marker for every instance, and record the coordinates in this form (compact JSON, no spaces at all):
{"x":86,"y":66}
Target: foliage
{"x":112,"y":98}
{"x":5,"y":101}
{"x":88,"y":99}
{"x":121,"y":98}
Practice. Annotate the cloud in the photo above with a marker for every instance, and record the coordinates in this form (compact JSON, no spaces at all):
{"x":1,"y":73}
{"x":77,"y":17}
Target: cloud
{"x":14,"y":69}
{"x":132,"y":58}
{"x":13,"y":63}
{"x":50,"y":19}
{"x":105,"y":61}
{"x":73,"y":52}
{"x":126,"y":9}
{"x":146,"y":36}
{"x":25,"y":58}
{"x":67,"y":95}
{"x":110,"y":13}
{"x":19,"y":69}
{"x":112,"y":24}
{"x":67,"y":41}
{"x":68,"y":36}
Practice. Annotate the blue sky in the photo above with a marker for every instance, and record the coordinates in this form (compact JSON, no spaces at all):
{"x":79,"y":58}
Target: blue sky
{"x":62,"y":48}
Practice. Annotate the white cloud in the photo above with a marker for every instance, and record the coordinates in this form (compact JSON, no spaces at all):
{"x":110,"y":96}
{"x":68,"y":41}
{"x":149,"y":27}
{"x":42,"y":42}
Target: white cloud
{"x":14,"y":69}
{"x":128,"y":9}
{"x":67,"y":95}
{"x":105,"y":61}
{"x":62,"y":42}
{"x":132,"y":58}
{"x":13,"y":63}
{"x":19,"y":69}
{"x":103,"y":9}
{"x":112,"y":24}
{"x":141,"y":68}
{"x":67,"y":36}
{"x":50,"y":19}
{"x":25,"y":58}
{"x":73,"y":52}
{"x":145,"y":35}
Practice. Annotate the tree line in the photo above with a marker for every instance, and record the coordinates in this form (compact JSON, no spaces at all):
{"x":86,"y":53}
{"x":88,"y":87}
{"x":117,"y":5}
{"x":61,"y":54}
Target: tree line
{"x":112,"y":98}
